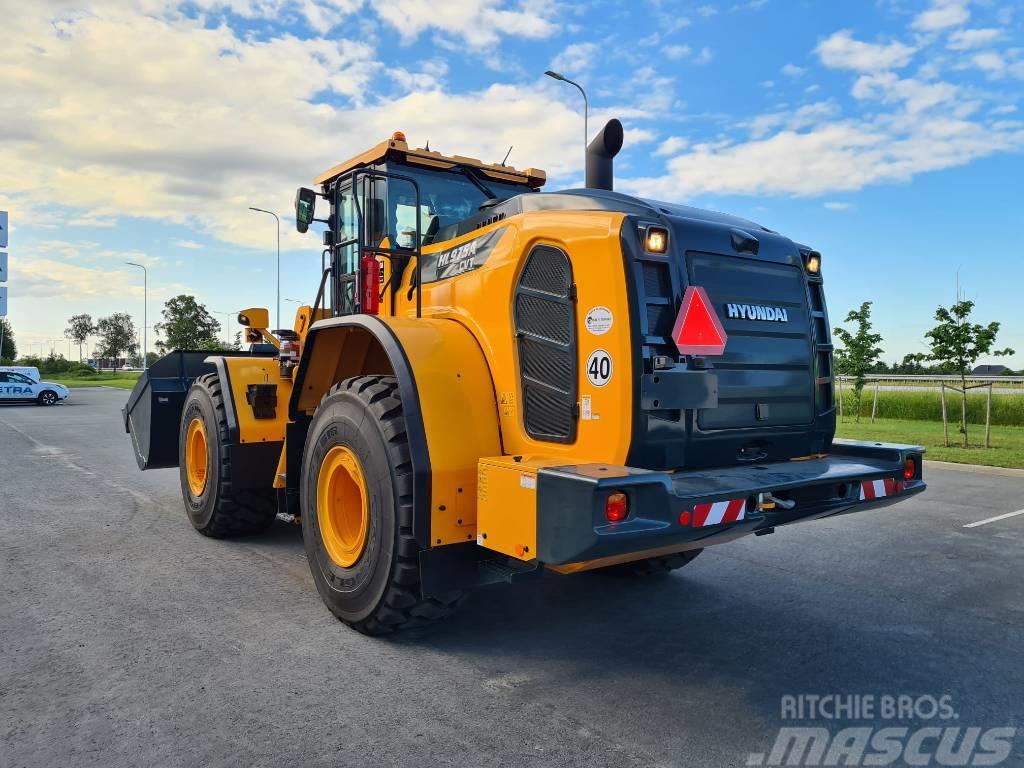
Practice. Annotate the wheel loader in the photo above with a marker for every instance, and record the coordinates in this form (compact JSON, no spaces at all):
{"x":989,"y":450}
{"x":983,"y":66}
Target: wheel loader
{"x":493,"y":381}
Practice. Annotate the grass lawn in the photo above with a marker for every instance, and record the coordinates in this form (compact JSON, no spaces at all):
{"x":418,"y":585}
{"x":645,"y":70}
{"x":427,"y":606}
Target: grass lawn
{"x":121,"y":380}
{"x":1007,"y":442}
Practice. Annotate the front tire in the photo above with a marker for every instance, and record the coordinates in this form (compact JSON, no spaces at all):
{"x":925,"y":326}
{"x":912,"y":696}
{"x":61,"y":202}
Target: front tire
{"x":357,"y":509}
{"x":214,"y":506}
{"x":47,"y":397}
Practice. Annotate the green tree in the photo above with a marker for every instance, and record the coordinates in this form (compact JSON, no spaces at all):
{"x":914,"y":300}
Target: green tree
{"x":117,"y":335}
{"x":957,"y":343}
{"x":80,"y":328}
{"x":860,"y":351}
{"x":187,"y":325}
{"x":8,"y":347}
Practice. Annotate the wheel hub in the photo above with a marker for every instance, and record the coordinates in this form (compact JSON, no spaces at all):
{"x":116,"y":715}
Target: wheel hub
{"x":196,"y":456}
{"x":342,"y":506}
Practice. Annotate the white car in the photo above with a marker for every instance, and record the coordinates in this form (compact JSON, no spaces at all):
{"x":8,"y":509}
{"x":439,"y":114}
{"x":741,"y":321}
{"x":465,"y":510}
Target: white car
{"x":17,"y":387}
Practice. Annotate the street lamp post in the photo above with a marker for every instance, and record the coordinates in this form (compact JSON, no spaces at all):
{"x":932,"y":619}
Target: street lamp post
{"x":145,"y":298}
{"x":263,"y":210}
{"x":227,"y":324}
{"x":586,"y":108}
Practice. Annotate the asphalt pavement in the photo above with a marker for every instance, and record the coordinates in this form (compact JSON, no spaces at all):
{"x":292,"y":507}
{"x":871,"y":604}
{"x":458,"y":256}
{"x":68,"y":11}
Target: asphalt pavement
{"x":128,"y":639}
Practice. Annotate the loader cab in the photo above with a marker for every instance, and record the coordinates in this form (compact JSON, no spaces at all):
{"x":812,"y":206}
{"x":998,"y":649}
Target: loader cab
{"x":387,"y":204}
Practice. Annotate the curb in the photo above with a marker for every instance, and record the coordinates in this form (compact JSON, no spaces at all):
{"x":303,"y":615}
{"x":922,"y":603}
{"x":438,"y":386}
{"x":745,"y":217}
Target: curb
{"x":980,"y":469}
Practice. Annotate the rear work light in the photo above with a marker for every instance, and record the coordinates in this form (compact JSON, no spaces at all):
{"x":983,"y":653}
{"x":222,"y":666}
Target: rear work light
{"x":910,"y":469}
{"x":616,"y":507}
{"x":813,"y":263}
{"x":656,"y":240}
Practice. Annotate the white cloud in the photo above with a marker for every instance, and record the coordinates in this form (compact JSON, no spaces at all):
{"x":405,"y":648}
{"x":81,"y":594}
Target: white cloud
{"x":707,"y":11}
{"x":841,"y":51}
{"x":989,"y":62}
{"x":676,"y":52}
{"x":91,"y":221}
{"x":792,"y":70}
{"x":793,"y":120}
{"x":834,"y":156}
{"x":576,"y":58}
{"x":941,"y":15}
{"x":833,"y":206}
{"x":188,"y":244}
{"x":966,"y":39}
{"x":1005,"y":109}
{"x":672,"y":146}
{"x":705,"y":56}
{"x":169,"y":118}
{"x":916,"y":95}
{"x":479,"y":23}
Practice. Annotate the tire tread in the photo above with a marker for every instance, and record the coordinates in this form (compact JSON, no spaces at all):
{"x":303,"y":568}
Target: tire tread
{"x":403,"y":606}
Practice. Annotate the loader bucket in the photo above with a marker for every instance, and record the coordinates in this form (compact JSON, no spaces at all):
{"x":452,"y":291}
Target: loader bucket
{"x":153,"y":411}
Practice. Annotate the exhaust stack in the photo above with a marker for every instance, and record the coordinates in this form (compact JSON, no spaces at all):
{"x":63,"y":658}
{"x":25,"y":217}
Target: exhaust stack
{"x":600,"y":153}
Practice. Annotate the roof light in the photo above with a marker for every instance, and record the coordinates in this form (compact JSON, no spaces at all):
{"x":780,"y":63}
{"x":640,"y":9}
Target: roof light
{"x":656,"y":240}
{"x":398,"y":136}
{"x":813,"y":263}
{"x":697,"y":330}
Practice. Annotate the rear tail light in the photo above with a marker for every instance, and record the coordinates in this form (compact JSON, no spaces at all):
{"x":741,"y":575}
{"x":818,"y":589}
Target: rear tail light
{"x":616,"y":507}
{"x":910,"y":469}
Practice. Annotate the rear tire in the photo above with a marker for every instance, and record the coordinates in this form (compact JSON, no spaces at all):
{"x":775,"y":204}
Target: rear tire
{"x":653,"y":566}
{"x":215,"y":508}
{"x":372,"y":580}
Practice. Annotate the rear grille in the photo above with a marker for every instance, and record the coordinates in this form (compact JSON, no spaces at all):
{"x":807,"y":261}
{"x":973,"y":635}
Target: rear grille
{"x":546,"y":330}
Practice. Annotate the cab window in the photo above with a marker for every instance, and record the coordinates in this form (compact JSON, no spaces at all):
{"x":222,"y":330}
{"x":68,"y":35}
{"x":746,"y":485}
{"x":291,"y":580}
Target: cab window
{"x":446,"y":197}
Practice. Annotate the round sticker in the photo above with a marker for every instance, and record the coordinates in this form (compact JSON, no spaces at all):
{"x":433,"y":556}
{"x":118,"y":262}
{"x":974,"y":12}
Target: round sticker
{"x":599,"y":368}
{"x":598,"y":320}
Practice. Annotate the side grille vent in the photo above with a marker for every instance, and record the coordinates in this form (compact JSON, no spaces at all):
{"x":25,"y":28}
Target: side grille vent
{"x":545,"y":318}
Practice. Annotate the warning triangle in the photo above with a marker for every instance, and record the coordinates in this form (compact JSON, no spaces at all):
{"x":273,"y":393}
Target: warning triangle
{"x":698,"y":331}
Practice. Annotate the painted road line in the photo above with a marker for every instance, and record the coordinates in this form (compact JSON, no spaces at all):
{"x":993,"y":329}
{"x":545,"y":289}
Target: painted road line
{"x":994,"y":519}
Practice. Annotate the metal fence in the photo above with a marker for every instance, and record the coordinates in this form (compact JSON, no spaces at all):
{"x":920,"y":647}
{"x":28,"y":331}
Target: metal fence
{"x":897,"y":381}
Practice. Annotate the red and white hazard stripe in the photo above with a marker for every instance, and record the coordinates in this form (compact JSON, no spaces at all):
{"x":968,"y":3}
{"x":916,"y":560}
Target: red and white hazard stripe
{"x":879,"y":489}
{"x":729,"y":511}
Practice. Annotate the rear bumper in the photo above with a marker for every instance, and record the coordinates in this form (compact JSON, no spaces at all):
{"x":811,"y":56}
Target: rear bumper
{"x":700,"y":508}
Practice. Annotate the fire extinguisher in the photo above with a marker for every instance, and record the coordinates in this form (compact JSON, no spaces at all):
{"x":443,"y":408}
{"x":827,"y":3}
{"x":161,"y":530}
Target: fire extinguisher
{"x":369,"y":296}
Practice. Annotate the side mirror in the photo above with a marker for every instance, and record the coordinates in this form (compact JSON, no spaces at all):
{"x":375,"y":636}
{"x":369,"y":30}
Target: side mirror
{"x":305,"y":208}
{"x":257,"y":317}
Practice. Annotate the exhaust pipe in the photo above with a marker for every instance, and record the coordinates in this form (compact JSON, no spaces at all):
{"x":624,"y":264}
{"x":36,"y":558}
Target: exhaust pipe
{"x":600,"y":153}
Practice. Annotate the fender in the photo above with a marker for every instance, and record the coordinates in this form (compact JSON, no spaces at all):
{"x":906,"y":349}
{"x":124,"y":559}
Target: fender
{"x":447,"y":396}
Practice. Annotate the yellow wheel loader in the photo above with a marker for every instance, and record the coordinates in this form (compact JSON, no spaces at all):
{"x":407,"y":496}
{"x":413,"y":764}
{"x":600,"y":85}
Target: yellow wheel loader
{"x":493,"y":381}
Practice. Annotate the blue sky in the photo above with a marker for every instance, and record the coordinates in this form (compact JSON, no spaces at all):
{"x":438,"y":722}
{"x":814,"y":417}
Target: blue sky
{"x":887,"y":134}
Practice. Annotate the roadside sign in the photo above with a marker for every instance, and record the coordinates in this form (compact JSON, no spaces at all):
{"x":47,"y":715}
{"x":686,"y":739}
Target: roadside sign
{"x":3,"y":267}
{"x":3,"y":229}
{"x":3,"y":301}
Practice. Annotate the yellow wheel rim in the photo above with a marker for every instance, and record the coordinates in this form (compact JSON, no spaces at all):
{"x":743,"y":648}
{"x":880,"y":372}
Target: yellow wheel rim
{"x":196,"y":456}
{"x":342,"y":506}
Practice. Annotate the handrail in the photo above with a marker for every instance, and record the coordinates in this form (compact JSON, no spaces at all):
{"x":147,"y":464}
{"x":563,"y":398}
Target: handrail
{"x":372,"y":173}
